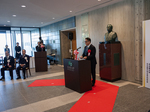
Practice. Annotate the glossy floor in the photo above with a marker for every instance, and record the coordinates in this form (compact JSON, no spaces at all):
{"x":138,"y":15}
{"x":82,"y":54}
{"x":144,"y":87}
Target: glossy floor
{"x":15,"y":96}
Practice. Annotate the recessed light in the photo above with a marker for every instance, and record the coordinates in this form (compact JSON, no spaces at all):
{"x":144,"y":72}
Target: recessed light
{"x":33,"y":26}
{"x":23,"y":6}
{"x":4,"y":25}
{"x":53,"y":18}
{"x":14,"y":15}
{"x":41,"y":22}
{"x":8,"y":21}
{"x":99,"y":0}
{"x":70,"y":11}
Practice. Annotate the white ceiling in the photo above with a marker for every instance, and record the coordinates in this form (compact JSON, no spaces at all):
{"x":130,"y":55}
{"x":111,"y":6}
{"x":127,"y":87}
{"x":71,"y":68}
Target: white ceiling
{"x":38,"y":11}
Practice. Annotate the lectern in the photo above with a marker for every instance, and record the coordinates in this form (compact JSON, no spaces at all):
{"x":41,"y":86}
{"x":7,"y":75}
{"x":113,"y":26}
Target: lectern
{"x":78,"y":75}
{"x":41,"y":61}
{"x":110,"y":61}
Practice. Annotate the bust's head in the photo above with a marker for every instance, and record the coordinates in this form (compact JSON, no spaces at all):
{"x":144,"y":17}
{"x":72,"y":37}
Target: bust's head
{"x":109,"y":27}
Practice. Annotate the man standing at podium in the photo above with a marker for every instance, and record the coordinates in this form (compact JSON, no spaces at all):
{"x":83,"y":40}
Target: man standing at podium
{"x":89,"y":54}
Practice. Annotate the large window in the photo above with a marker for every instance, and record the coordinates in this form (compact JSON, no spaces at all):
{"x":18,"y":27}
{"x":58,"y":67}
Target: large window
{"x":27,"y":38}
{"x":3,"y":43}
{"x":27,"y":42}
{"x":35,"y":38}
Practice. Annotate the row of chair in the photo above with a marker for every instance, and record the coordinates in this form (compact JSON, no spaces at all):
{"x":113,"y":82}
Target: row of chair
{"x":15,"y":63}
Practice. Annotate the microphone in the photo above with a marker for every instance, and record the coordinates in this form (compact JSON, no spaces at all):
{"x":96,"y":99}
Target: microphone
{"x":78,"y":48}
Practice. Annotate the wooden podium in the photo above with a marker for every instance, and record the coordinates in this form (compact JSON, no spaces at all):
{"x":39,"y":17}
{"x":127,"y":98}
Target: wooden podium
{"x":77,"y":75}
{"x":40,"y":61}
{"x":110,"y":61}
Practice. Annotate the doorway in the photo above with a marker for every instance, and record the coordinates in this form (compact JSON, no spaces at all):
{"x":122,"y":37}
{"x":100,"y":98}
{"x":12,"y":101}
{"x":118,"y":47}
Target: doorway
{"x":66,"y":43}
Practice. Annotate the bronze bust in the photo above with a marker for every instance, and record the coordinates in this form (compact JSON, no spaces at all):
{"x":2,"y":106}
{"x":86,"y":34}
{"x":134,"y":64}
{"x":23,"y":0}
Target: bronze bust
{"x":110,"y":36}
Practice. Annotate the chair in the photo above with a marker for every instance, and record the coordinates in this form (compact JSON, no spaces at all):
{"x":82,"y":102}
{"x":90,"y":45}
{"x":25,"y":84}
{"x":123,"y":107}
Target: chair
{"x":53,"y":57}
{"x":28,"y":68}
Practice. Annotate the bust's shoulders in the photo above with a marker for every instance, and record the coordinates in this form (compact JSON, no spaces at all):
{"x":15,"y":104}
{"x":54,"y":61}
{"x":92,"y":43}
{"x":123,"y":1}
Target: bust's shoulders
{"x":113,"y":32}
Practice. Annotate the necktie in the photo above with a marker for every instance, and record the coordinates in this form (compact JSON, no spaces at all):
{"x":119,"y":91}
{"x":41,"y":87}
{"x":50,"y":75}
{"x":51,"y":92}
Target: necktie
{"x":86,"y":50}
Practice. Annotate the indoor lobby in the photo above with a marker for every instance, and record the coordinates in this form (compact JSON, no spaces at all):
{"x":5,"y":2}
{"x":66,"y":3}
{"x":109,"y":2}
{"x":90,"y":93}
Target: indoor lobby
{"x":74,"y":56}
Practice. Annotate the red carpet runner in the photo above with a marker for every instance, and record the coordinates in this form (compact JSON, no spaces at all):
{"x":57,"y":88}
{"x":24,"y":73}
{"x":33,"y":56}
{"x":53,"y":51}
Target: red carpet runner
{"x":48,"y":82}
{"x":100,"y":99}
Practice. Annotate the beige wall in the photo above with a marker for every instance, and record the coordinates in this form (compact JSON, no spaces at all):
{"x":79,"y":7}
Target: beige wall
{"x":126,"y":17}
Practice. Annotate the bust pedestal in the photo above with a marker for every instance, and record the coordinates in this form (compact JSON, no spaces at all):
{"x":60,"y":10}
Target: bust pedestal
{"x":110,"y":61}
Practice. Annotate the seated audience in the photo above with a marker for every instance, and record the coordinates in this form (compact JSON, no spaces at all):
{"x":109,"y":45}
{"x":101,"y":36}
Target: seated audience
{"x":23,"y":64}
{"x":38,"y":47}
{"x":8,"y":64}
{"x":7,"y":49}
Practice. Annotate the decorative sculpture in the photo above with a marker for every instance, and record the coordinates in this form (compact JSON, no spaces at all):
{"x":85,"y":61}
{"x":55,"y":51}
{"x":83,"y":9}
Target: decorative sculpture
{"x":110,"y":36}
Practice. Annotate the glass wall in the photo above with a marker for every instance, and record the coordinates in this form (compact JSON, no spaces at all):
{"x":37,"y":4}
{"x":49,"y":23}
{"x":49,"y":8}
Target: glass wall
{"x":51,"y":35}
{"x":3,"y":43}
{"x":34,"y":39}
{"x":27,"y":38}
{"x":27,"y":42}
{"x":5,"y":40}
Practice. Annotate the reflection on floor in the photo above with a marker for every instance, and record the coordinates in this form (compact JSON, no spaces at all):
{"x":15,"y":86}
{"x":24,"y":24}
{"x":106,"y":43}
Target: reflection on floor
{"x":15,"y":96}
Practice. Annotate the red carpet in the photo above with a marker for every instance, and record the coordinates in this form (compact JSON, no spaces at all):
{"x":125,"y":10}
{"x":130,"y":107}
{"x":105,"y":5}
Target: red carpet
{"x":48,"y":82}
{"x":100,"y":99}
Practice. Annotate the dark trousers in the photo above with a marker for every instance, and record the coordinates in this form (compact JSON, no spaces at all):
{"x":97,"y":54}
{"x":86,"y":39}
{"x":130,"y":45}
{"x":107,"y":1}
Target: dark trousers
{"x":93,"y":69}
{"x":23,"y":69}
{"x":10,"y":71}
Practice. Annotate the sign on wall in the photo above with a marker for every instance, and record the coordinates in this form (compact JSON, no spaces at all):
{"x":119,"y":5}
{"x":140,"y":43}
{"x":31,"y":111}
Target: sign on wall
{"x":146,"y":53}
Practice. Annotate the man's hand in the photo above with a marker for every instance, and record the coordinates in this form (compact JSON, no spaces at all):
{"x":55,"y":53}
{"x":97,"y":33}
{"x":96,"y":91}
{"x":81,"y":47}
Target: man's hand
{"x":10,"y":66}
{"x":85,"y":57}
{"x":3,"y":66}
{"x":81,"y":57}
{"x":21,"y":65}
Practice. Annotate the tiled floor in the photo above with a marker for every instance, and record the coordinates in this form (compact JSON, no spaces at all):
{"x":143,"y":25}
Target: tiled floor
{"x":15,"y":96}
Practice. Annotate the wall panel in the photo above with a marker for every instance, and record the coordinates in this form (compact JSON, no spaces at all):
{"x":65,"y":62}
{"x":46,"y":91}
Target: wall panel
{"x":126,"y":17}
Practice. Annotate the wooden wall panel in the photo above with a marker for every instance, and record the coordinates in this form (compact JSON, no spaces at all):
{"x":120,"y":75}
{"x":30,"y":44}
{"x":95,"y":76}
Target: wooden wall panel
{"x":65,"y":45}
{"x":126,"y":17}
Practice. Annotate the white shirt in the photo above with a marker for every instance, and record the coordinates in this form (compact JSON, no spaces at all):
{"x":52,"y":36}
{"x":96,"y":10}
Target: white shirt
{"x":7,"y":57}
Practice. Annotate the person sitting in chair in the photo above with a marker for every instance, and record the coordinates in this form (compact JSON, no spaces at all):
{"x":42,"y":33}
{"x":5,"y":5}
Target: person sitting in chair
{"x":23,"y":64}
{"x":8,"y":65}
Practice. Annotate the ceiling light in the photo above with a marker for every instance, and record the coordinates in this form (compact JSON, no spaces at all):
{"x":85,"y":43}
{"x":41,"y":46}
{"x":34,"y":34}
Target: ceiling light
{"x":33,"y":26}
{"x":23,"y":6}
{"x":70,"y":11}
{"x":14,"y":15}
{"x":8,"y":21}
{"x":99,"y":0}
{"x":53,"y":18}
{"x":4,"y":25}
{"x":41,"y":22}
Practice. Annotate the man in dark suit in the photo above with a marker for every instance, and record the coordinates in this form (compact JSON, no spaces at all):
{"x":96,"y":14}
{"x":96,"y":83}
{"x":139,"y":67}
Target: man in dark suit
{"x":38,"y":47}
{"x":89,"y":54}
{"x":23,"y":64}
{"x":8,"y":64}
